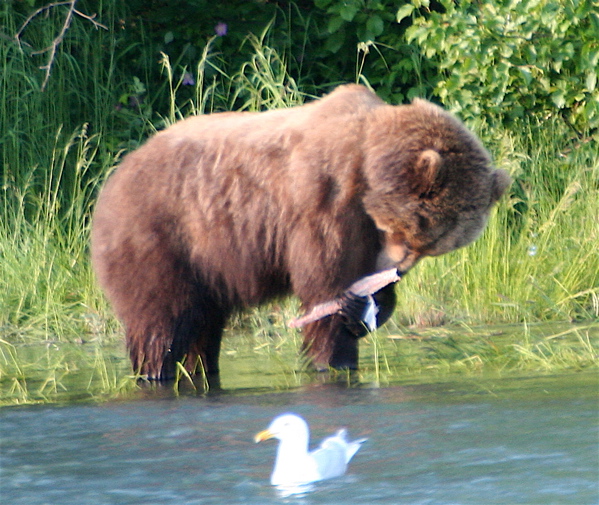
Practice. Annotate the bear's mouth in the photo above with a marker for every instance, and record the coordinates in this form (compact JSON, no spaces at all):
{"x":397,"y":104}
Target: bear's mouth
{"x":398,"y":256}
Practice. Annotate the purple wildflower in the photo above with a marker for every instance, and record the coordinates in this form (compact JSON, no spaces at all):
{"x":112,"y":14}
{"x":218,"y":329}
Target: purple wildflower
{"x":221,"y":29}
{"x":188,"y":79}
{"x":134,"y":102}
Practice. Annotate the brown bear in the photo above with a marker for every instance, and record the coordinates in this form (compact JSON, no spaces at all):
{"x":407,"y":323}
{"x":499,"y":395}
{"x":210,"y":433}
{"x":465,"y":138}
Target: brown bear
{"x":225,"y":211}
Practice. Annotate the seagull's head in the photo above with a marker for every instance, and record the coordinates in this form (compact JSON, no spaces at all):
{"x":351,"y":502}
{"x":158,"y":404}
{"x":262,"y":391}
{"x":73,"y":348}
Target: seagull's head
{"x":285,"y":427}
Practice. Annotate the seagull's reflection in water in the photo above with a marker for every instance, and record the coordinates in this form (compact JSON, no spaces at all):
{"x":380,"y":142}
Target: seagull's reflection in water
{"x":297,"y":491}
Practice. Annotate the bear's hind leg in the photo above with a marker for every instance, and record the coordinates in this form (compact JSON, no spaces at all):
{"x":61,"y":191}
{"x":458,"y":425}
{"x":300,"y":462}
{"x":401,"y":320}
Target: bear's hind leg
{"x":159,"y":341}
{"x":204,"y":339}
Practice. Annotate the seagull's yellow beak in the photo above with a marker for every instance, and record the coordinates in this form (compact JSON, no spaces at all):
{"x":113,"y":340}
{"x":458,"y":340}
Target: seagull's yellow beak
{"x":263,"y":435}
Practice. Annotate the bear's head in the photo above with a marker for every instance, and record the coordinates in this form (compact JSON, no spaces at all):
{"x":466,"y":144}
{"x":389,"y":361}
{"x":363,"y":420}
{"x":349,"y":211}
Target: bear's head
{"x":430,"y":184}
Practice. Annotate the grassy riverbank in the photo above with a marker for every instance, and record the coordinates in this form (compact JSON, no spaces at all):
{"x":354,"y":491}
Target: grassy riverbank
{"x":537,"y":261}
{"x":534,"y":269}
{"x":263,"y":356}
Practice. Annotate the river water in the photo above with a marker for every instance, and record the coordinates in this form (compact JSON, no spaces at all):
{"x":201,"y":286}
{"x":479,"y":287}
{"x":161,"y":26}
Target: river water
{"x":476,"y":441}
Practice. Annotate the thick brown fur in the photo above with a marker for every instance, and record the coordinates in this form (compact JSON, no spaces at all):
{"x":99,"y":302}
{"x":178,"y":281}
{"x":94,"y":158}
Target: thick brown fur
{"x":225,"y":211}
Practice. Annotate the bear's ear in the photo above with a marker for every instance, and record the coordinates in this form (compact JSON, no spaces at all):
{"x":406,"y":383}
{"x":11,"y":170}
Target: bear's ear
{"x":500,"y":182}
{"x":427,"y":169}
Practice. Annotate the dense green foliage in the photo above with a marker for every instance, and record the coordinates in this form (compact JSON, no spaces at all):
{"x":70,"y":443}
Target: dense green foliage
{"x":109,"y":88}
{"x":499,"y":60}
{"x":510,"y":59}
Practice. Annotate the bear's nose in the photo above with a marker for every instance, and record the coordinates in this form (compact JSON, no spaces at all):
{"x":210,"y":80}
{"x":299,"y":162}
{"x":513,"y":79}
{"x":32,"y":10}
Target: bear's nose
{"x":398,"y":255}
{"x":408,"y":261}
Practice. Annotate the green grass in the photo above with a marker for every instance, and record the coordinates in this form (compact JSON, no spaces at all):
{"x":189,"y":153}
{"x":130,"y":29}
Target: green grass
{"x":259,"y":356}
{"x":55,"y":371}
{"x":47,"y":288}
{"x":536,"y":262}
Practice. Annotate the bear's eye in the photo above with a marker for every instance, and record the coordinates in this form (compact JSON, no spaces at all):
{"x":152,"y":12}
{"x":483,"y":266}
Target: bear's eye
{"x":423,"y":222}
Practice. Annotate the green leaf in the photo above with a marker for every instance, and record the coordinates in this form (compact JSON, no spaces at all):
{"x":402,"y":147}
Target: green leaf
{"x":418,"y":33}
{"x":526,"y":75}
{"x":349,"y":11}
{"x":375,"y":25}
{"x":335,"y":41}
{"x":404,"y":11}
{"x":590,"y":55}
{"x":138,"y":86}
{"x":322,"y":4}
{"x":334,"y":24}
{"x":558,"y":98}
{"x":591,"y":80}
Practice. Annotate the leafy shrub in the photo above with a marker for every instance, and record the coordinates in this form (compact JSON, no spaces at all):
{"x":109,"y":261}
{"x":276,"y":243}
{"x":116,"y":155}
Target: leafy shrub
{"x":509,"y":58}
{"x":361,"y":40}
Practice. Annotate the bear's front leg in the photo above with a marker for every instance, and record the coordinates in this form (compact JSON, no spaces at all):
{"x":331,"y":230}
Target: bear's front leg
{"x":333,"y":341}
{"x":329,"y":343}
{"x":362,"y":314}
{"x":345,"y":353}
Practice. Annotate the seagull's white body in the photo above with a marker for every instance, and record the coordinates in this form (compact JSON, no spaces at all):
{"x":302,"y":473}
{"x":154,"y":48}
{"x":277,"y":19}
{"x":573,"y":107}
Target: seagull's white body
{"x":294,"y":465}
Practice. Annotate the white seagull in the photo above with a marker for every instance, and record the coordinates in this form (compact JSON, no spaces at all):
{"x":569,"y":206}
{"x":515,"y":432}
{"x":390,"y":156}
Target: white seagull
{"x":294,"y":465}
